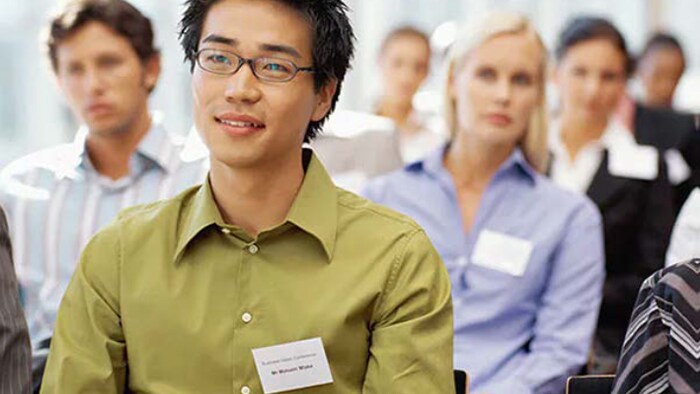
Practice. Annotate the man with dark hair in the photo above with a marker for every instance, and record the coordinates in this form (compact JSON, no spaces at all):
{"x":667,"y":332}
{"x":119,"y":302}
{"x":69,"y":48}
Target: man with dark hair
{"x":15,"y":353}
{"x":266,"y":278}
{"x":106,"y":65}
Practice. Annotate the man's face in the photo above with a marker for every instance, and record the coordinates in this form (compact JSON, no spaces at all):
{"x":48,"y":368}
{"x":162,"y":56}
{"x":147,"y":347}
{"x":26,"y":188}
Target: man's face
{"x":103,"y":79}
{"x":244,"y":121}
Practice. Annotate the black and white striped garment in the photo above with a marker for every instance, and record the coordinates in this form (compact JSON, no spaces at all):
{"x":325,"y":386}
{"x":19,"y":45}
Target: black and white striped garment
{"x":15,"y":354}
{"x":661,"y":353}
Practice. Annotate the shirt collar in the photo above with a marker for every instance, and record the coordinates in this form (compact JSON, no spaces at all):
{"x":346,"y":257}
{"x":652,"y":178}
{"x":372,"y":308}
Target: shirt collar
{"x":157,"y":145}
{"x":314,"y":210}
{"x":434,"y":165}
{"x":615,"y":135}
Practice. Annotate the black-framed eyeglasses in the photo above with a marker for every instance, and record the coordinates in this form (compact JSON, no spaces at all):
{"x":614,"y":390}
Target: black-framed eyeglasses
{"x":268,"y":69}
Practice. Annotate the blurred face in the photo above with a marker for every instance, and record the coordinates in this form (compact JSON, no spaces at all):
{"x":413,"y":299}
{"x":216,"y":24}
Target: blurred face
{"x":660,"y":70}
{"x":498,"y":88}
{"x":591,"y":79}
{"x":103,"y":79}
{"x":245,"y":121}
{"x":404,"y":65}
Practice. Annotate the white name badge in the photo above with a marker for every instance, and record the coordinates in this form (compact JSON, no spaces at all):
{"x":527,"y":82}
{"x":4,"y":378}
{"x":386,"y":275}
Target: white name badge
{"x":634,"y":161}
{"x":502,"y":252}
{"x":292,"y":366}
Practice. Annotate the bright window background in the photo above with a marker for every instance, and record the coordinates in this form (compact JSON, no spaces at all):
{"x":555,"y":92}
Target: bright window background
{"x":32,"y":115}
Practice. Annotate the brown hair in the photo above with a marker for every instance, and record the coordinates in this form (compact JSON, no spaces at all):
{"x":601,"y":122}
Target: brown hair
{"x":120,"y":16}
{"x":404,"y":31}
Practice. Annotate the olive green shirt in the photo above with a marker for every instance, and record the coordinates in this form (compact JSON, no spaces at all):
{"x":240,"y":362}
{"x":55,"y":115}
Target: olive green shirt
{"x":169,"y":299}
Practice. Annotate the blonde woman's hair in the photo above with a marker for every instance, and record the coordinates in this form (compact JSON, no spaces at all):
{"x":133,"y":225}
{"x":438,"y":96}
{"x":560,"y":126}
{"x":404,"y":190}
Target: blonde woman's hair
{"x":534,"y":144}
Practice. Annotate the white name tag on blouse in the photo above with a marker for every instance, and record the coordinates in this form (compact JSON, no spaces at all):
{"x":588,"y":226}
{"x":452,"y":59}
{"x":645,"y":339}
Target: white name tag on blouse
{"x":634,"y":161}
{"x":292,"y":366}
{"x":502,"y":252}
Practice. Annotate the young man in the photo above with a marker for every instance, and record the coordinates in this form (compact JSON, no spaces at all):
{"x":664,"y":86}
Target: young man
{"x":106,"y":65}
{"x":15,"y":353}
{"x":267,"y":278}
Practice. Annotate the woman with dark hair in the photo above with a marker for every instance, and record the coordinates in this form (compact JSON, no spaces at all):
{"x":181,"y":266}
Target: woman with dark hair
{"x":596,"y":155}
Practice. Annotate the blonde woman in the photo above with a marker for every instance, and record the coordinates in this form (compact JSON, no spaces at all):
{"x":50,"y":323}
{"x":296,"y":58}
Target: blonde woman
{"x":525,"y":257}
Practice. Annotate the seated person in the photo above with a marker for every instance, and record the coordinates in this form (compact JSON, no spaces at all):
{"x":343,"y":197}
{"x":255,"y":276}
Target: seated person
{"x":404,"y":64}
{"x":660,"y":67}
{"x":525,"y":257}
{"x":267,"y":277}
{"x":15,"y":352}
{"x":660,"y":352}
{"x":595,"y":155}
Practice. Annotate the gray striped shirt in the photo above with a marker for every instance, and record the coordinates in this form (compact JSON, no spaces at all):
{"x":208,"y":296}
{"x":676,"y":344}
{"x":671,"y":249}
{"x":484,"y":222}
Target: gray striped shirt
{"x":15,"y":355}
{"x":56,"y":201}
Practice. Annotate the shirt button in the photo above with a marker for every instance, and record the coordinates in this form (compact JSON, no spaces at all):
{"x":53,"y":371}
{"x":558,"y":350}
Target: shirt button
{"x":247,"y":317}
{"x":226,"y":231}
{"x":253,"y":249}
{"x":245,"y":390}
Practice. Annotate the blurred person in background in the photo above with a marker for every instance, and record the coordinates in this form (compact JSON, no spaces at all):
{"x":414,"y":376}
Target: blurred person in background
{"x":404,"y":64}
{"x":525,"y":257}
{"x":15,"y":351}
{"x":357,"y":146}
{"x":660,"y":66}
{"x":103,"y":57}
{"x":596,"y":155}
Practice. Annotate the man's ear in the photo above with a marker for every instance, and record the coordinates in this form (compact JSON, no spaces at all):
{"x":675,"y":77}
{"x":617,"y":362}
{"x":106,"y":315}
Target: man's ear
{"x":324,"y":99}
{"x":151,"y":69}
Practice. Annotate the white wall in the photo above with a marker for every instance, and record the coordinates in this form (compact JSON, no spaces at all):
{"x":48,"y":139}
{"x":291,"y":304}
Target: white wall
{"x":32,"y":115}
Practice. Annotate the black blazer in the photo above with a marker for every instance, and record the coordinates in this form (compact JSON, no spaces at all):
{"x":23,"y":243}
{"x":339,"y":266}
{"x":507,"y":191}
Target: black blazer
{"x":668,"y":129}
{"x":638,"y":216}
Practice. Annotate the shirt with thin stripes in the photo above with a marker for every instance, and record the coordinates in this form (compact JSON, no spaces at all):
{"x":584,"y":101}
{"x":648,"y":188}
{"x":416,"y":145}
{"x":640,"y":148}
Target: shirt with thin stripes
{"x":661,"y":353}
{"x":15,"y":354}
{"x":56,"y":201}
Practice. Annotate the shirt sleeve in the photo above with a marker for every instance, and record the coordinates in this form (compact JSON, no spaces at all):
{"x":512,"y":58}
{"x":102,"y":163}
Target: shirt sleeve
{"x":646,"y":343}
{"x":568,"y":312}
{"x":15,"y":353}
{"x":686,"y":232}
{"x":88,"y":351}
{"x":412,"y":330}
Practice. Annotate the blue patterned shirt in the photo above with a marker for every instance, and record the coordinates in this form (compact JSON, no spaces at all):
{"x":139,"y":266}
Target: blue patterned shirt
{"x":56,"y":201}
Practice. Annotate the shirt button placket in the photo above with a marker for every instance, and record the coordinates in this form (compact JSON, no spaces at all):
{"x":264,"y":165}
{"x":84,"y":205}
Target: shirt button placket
{"x":247,"y":317}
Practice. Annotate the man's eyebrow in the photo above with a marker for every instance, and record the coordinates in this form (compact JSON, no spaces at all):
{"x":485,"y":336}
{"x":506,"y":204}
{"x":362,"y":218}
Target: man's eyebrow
{"x":220,"y":40}
{"x":280,"y":49}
